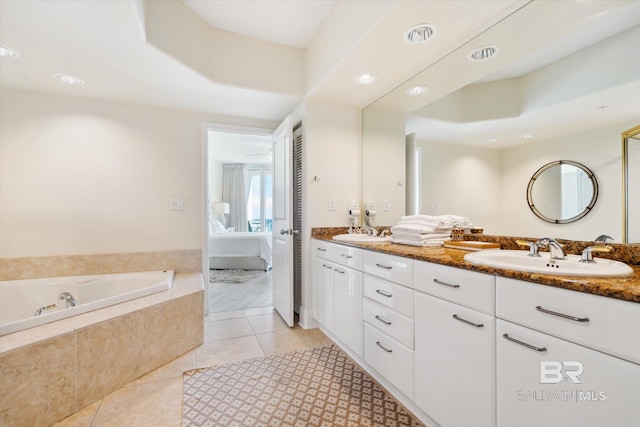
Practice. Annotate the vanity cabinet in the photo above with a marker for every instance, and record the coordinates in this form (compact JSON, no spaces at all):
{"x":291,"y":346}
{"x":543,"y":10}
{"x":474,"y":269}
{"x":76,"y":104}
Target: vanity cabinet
{"x":565,"y":358}
{"x":337,"y":292}
{"x":455,"y":345}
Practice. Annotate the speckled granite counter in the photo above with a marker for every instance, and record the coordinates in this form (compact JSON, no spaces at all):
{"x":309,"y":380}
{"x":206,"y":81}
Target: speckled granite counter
{"x":624,"y":288}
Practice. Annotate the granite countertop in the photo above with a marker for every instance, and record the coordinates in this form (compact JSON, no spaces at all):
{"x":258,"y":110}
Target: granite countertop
{"x":624,"y":288}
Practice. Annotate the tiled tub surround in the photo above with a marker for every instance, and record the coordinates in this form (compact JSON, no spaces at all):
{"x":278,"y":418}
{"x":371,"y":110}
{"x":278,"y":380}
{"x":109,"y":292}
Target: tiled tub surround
{"x":181,"y":261}
{"x":627,"y":288}
{"x":51,"y":371}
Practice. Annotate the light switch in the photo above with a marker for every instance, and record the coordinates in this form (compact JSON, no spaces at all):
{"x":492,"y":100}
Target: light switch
{"x":385,"y":205}
{"x":332,"y":204}
{"x":176,"y":204}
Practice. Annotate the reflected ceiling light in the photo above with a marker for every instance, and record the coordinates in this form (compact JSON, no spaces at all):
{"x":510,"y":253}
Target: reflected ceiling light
{"x":68,"y":79}
{"x":417,"y":90}
{"x":420,"y":33}
{"x":527,"y":136}
{"x":483,"y":53}
{"x":493,"y":139}
{"x":365,"y":79}
{"x":7,"y":52}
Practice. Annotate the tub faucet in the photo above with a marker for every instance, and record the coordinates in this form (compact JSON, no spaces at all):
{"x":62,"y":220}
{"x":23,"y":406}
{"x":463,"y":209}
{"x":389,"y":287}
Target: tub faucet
{"x":555,"y":248}
{"x":68,"y":299}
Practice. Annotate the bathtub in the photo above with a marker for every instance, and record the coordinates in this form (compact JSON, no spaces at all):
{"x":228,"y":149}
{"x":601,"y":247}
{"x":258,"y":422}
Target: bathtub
{"x":20,"y":299}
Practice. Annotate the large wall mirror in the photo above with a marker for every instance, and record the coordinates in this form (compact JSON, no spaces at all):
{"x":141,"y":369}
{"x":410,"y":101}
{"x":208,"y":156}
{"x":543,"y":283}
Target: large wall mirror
{"x":470,"y":144}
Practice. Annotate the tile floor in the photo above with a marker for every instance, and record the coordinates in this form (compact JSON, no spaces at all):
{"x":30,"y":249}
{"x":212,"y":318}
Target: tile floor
{"x":155,"y":400}
{"x":257,"y":292}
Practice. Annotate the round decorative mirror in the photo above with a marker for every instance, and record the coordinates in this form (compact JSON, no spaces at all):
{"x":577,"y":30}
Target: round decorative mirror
{"x":562,"y":191}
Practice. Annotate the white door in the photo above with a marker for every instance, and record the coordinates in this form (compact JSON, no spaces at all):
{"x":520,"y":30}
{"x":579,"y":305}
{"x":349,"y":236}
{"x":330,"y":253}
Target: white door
{"x":282,"y":273}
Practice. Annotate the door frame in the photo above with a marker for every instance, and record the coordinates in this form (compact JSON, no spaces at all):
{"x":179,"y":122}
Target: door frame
{"x":204,"y":190}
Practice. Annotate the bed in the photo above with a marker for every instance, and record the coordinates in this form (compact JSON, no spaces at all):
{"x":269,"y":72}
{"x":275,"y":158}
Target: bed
{"x":238,"y":250}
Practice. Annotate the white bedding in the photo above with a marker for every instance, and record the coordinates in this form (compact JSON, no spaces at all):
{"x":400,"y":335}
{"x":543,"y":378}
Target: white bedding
{"x":241,"y":244}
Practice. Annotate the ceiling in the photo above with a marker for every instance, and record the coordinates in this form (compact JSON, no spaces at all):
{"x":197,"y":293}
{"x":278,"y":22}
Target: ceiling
{"x":230,"y":58}
{"x":229,"y":147}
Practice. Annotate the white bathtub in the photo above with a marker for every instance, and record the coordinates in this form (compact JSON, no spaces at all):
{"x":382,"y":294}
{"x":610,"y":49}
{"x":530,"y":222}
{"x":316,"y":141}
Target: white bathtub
{"x":19,"y":299}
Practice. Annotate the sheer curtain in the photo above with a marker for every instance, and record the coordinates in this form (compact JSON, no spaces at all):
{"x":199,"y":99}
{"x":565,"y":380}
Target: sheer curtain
{"x":234,"y":192}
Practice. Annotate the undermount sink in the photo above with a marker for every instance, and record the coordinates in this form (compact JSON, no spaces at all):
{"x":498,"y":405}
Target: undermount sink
{"x":520,"y":261}
{"x":360,"y":238}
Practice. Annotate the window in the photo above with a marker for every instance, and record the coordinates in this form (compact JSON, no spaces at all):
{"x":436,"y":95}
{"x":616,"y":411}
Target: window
{"x":259,"y":208}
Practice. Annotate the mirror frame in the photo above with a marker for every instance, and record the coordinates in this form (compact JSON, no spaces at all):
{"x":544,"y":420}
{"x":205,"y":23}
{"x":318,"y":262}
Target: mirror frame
{"x":633,"y":133}
{"x":548,"y":166}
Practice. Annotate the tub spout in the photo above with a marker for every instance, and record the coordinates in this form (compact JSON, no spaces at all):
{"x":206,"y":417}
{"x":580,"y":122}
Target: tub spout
{"x":68,"y":299}
{"x":42,"y":310}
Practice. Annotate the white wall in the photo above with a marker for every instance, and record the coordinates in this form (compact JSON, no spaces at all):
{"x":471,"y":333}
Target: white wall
{"x":82,"y":176}
{"x":461,"y":180}
{"x":331,"y":152}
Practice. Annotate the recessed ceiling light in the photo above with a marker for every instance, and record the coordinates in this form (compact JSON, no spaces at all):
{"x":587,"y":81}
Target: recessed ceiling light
{"x":483,"y":53}
{"x":365,"y":79}
{"x":420,"y":33}
{"x":417,"y":90}
{"x":527,"y":136}
{"x":68,"y":79}
{"x":7,"y":52}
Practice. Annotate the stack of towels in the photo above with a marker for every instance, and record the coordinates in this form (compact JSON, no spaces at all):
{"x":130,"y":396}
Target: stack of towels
{"x":426,"y":230}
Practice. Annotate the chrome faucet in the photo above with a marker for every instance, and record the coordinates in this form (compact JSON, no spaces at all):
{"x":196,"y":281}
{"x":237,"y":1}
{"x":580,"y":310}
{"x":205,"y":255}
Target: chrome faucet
{"x":603,"y":238}
{"x":555,"y":248}
{"x":587,"y":253}
{"x":68,"y":299}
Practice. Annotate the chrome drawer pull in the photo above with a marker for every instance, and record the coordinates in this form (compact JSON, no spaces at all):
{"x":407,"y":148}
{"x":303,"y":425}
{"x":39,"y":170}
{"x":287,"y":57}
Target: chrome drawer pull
{"x":564,"y":316}
{"x":327,"y":266}
{"x":388,"y":350}
{"x":386,"y":267}
{"x":383,"y":320}
{"x":445,"y":283}
{"x":339,"y":271}
{"x":384,"y":293}
{"x":346,"y":256}
{"x":532,"y":347}
{"x":321,"y":250}
{"x":477,"y":325}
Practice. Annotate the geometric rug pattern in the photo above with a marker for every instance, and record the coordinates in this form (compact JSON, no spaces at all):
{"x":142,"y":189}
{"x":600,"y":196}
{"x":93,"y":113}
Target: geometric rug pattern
{"x":315,"y":387}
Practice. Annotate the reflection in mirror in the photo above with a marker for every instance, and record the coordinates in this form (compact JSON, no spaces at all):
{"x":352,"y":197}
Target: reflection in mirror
{"x":561,"y":192}
{"x":631,"y":185}
{"x":573,"y":98}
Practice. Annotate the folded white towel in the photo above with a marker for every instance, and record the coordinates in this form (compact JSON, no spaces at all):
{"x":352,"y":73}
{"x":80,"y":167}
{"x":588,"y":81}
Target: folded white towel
{"x":440,"y":220}
{"x":423,"y":243}
{"x":419,"y":237}
{"x":418,"y":229}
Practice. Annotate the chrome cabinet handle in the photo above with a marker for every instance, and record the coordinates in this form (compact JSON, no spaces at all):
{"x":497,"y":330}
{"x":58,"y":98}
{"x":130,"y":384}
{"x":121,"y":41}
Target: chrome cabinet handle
{"x":388,"y":350}
{"x":386,"y":267}
{"x":382,"y":319}
{"x":339,"y":271}
{"x":321,"y":249}
{"x":468,"y":322}
{"x":564,"y":316}
{"x":532,"y":347}
{"x":346,"y":256}
{"x":327,"y":266}
{"x":384,"y":293}
{"x":445,"y":283}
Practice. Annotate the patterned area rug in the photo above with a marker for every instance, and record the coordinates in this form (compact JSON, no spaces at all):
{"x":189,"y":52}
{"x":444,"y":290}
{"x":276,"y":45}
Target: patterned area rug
{"x":314,"y":387}
{"x":234,"y":276}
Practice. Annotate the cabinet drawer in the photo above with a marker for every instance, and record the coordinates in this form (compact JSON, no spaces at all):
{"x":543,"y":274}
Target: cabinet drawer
{"x":464,"y":287}
{"x":389,"y":321}
{"x":389,"y":267}
{"x":389,"y":294}
{"x":563,"y":385}
{"x":347,"y":256}
{"x":322,"y":248}
{"x":601,"y":323}
{"x":390,"y":358}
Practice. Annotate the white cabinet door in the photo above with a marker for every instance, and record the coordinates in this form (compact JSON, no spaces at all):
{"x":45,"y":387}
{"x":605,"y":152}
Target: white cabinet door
{"x":323,"y":292}
{"x":454,"y":363}
{"x":546,"y":381}
{"x":348,"y":322}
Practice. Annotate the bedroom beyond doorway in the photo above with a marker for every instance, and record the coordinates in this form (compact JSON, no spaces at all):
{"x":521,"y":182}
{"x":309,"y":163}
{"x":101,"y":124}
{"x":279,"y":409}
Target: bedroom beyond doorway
{"x":233,"y":290}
